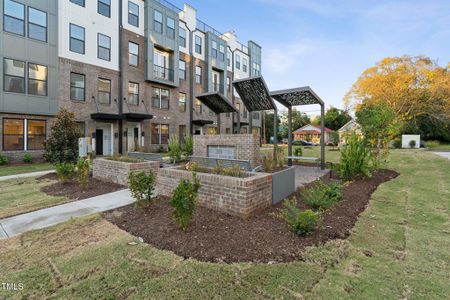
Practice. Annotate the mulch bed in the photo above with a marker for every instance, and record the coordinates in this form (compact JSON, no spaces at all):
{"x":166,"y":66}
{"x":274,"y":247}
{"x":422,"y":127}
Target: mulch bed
{"x":73,"y":191}
{"x":218,"y":237}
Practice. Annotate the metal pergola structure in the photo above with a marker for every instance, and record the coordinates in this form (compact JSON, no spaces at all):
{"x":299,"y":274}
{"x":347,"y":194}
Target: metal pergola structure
{"x":218,"y":104}
{"x":297,"y":97}
{"x":254,"y":93}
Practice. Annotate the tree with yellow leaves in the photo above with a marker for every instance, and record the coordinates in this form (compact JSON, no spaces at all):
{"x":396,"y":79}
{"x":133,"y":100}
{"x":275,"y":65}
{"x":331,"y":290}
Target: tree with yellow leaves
{"x":416,"y":88}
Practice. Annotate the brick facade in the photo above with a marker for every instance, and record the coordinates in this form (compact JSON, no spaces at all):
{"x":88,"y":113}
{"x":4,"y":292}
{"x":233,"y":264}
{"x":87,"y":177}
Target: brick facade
{"x":116,"y":171}
{"x":246,"y":145}
{"x":236,"y":196}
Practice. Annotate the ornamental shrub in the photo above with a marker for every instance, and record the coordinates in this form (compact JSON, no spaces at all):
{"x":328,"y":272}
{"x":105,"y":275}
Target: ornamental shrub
{"x":188,"y":146}
{"x":397,"y":144}
{"x":141,"y":186}
{"x":27,"y":158}
{"x":183,"y":201}
{"x":83,"y":172}
{"x":298,"y":151}
{"x":174,"y":149}
{"x":355,"y":158}
{"x":412,"y":144}
{"x":62,"y":143}
{"x":322,"y":195}
{"x":300,"y":222}
{"x":65,"y":171}
{"x":3,"y":160}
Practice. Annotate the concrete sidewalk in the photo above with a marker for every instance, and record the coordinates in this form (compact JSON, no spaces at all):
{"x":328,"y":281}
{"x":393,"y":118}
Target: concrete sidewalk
{"x":26,"y":175}
{"x":443,"y":154}
{"x":53,"y":215}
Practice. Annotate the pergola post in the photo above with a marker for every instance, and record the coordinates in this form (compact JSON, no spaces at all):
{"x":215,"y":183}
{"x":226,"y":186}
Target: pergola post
{"x":218,"y":123}
{"x":275,"y":126}
{"x":250,"y":122}
{"x":290,"y":135}
{"x":322,"y":136}
{"x":238,"y":122}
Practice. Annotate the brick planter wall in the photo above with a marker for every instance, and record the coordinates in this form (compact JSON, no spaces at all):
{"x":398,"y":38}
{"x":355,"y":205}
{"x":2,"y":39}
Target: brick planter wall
{"x":117,"y":171}
{"x":236,"y":196}
{"x":246,"y":145}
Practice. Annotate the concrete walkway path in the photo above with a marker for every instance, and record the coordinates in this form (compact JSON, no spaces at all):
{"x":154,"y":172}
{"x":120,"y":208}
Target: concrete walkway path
{"x":26,"y":175}
{"x":53,"y":215}
{"x":443,"y":154}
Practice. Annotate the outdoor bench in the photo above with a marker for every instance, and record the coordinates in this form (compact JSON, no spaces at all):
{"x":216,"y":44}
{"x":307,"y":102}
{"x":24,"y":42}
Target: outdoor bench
{"x":305,"y":158}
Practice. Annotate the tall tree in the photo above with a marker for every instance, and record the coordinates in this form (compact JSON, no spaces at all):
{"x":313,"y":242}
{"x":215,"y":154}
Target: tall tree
{"x":336,"y":118}
{"x":416,"y":88}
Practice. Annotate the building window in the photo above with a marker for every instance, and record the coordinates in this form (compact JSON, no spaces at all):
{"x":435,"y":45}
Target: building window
{"x":182,"y":35}
{"x":157,"y":21}
{"x":81,"y":128}
{"x":198,"y":74}
{"x":238,"y":61}
{"x":13,"y":135}
{"x":37,"y":79}
{"x":13,"y":76}
{"x":160,"y":98}
{"x":104,"y":47}
{"x":238,"y":107}
{"x":36,"y":135}
{"x":221,"y":53}
{"x":161,"y":65}
{"x":170,"y":27}
{"x":37,"y":24}
{"x":78,"y":2}
{"x":160,"y":134}
{"x":182,"y":102}
{"x":104,"y":7}
{"x":77,"y":87}
{"x":198,"y":106}
{"x":14,"y":17}
{"x":133,"y":14}
{"x":104,"y":91}
{"x":76,"y":39}
{"x":229,"y":59}
{"x":256,"y":69}
{"x":244,"y":64}
{"x":228,"y":84}
{"x":214,"y":49}
{"x":133,"y":93}
{"x":133,"y":54}
{"x":182,"y":69}
{"x":245,"y":112}
{"x":198,"y":44}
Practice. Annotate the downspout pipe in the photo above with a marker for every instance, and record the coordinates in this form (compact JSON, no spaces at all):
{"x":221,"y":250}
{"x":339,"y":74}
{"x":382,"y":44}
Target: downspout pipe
{"x":120,"y":103}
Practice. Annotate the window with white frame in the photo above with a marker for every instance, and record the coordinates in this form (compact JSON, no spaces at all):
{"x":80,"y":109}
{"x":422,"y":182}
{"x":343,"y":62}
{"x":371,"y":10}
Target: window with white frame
{"x":198,"y":44}
{"x":133,"y":14}
{"x":182,"y":102}
{"x":182,"y":37}
{"x":157,"y":21}
{"x":104,"y":47}
{"x":221,"y":53}
{"x":182,"y":69}
{"x":244,"y":64}
{"x":198,"y":74}
{"x":170,"y":27}
{"x":133,"y":93}
{"x":133,"y":54}
{"x":77,"y":39}
{"x":104,"y":91}
{"x":238,"y":61}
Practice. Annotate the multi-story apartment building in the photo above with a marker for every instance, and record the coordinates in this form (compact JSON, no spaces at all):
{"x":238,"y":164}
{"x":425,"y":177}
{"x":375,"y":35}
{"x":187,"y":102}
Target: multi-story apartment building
{"x":130,"y":70}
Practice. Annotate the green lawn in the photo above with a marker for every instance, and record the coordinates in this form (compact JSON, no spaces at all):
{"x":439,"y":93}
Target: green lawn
{"x":13,"y":170}
{"x":399,"y":249}
{"x":23,"y":195}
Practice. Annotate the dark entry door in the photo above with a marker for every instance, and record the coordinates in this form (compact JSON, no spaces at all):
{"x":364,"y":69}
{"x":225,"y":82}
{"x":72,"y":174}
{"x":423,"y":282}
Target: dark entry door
{"x":99,"y":142}
{"x":136,"y":139}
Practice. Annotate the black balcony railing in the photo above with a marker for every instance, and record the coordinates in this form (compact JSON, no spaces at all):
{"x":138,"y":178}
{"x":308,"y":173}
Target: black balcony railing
{"x":161,"y":72}
{"x":218,"y":87}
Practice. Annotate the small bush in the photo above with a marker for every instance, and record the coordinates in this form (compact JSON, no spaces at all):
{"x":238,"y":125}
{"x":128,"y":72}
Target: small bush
{"x":183,"y":201}
{"x":397,"y":144}
{"x":191,"y":166}
{"x":355,"y":158}
{"x":27,"y":158}
{"x":300,"y":222}
{"x":267,"y":162}
{"x":174,"y":149}
{"x":65,"y":171}
{"x":432,"y":144}
{"x":3,"y":160}
{"x":298,"y":151}
{"x":322,"y":195}
{"x":161,"y":149}
{"x":188,"y":146}
{"x":412,"y":144}
{"x":279,"y":156}
{"x":127,"y":159}
{"x":83,"y":172}
{"x":141,"y":186}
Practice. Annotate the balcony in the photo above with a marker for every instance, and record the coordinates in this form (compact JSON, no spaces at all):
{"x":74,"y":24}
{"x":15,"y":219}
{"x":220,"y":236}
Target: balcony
{"x":162,"y":73}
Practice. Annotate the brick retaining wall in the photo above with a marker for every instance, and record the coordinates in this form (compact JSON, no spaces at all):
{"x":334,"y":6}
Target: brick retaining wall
{"x":117,"y":171}
{"x":246,"y":145}
{"x":236,"y":196}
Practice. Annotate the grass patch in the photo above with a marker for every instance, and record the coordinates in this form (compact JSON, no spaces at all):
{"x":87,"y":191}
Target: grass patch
{"x":19,"y":196}
{"x":398,"y":249}
{"x":20,"y":169}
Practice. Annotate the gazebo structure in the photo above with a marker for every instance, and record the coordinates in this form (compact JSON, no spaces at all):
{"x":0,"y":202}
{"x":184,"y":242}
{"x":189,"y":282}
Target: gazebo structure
{"x":218,"y":104}
{"x":256,"y":97}
{"x":297,"y":97}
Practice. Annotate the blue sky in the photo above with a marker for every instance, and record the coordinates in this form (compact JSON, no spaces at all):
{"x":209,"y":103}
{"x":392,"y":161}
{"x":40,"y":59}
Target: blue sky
{"x":327,"y":44}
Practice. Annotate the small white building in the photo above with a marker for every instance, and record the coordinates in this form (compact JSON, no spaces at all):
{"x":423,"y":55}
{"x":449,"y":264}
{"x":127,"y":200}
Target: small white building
{"x":408,"y":138}
{"x":349,"y":128}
